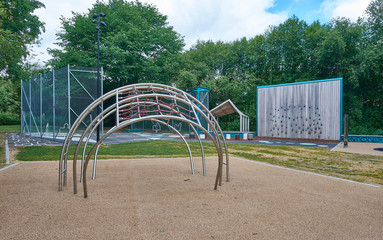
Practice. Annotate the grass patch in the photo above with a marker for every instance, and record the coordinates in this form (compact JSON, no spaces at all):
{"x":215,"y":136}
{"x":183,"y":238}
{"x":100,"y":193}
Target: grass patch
{"x":9,"y":128}
{"x":145,"y":149}
{"x":357,"y":167}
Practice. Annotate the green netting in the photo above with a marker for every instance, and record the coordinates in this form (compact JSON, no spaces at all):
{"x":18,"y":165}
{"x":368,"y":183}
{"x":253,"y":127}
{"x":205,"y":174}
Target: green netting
{"x":52,"y":101}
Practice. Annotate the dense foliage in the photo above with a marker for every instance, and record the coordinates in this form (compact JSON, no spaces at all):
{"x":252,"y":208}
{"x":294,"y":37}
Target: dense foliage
{"x":19,"y":28}
{"x":137,"y":45}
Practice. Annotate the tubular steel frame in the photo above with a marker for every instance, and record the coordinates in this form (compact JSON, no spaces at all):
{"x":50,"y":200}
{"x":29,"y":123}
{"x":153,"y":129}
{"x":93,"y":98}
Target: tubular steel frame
{"x":144,"y":102}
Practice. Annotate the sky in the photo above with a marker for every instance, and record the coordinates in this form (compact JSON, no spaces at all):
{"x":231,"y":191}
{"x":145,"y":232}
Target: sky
{"x":225,"y":20}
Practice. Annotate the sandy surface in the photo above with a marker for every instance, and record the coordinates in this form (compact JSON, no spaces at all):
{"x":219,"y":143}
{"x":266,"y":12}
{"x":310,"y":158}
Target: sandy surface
{"x":362,"y":148}
{"x":160,"y":199}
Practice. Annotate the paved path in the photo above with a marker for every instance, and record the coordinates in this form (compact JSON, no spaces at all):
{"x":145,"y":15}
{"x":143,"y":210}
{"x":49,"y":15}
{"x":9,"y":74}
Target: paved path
{"x":287,"y":143}
{"x":16,"y":139}
{"x":362,"y":148}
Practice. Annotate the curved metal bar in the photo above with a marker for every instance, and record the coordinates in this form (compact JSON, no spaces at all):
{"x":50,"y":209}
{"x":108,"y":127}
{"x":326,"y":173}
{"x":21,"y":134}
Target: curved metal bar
{"x":101,"y":118}
{"x":109,"y":133}
{"x":183,"y":139}
{"x":98,"y":121}
{"x":127,"y":123}
{"x":108,"y":95}
{"x":200,"y":105}
{"x":156,"y":120}
{"x":179,"y":95}
{"x":201,"y":146}
{"x":131,"y":87}
{"x":133,"y":98}
{"x":95,"y":163}
{"x":68,"y":139}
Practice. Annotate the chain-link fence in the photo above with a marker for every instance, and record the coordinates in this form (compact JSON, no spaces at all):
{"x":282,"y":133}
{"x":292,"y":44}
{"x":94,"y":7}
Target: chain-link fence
{"x":51,"y":102}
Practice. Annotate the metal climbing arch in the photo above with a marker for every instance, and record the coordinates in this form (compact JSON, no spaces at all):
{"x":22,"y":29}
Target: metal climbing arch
{"x":144,"y":102}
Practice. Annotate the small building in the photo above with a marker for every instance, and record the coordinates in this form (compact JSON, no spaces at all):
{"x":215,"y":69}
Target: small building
{"x":228,"y":107}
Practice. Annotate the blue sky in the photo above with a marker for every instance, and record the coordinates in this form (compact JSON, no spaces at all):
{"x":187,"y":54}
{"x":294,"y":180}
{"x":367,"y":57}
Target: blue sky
{"x":225,"y":20}
{"x":309,"y":10}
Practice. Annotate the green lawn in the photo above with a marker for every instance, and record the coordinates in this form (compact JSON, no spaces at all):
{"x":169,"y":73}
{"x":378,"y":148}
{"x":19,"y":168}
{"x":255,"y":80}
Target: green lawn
{"x":9,"y":128}
{"x":119,"y":151}
{"x":362,"y":168}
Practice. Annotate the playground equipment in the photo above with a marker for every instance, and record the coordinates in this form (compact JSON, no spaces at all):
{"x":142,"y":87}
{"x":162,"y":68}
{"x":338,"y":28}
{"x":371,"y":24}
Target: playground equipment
{"x":144,"y":102}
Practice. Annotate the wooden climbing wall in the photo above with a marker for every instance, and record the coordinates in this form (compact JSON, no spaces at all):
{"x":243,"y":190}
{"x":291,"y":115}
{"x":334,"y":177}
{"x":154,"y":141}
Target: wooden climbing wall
{"x":311,"y":110}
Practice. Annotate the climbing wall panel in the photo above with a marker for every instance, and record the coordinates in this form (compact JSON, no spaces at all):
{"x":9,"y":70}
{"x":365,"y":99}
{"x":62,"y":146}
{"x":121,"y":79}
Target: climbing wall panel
{"x":311,"y":110}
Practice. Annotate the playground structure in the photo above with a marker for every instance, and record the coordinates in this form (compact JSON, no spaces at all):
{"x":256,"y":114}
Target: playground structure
{"x":137,"y":103}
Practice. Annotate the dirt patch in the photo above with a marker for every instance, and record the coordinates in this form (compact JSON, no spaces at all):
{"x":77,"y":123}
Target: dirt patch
{"x":160,"y":199}
{"x":13,"y":151}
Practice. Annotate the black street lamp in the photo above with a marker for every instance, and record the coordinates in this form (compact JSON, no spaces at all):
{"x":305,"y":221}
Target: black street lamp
{"x":96,"y":19}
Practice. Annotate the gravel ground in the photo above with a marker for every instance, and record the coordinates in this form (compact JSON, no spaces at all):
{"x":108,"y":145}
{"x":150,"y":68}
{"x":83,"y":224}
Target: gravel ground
{"x":160,"y":199}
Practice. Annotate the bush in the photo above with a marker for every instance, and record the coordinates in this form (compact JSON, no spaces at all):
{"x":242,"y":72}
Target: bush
{"x":8,"y":118}
{"x":364,"y":130}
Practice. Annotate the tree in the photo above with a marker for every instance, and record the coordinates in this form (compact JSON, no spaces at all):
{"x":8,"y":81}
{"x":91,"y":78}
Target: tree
{"x":9,"y":104}
{"x":368,"y":73}
{"x":187,"y":81}
{"x":137,"y":45}
{"x":19,"y":27}
{"x":374,"y":21}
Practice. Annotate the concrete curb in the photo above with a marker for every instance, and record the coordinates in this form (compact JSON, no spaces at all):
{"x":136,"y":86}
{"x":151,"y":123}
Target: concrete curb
{"x":9,"y":166}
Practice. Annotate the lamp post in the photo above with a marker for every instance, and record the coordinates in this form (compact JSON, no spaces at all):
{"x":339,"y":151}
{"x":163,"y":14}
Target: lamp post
{"x":96,"y":19}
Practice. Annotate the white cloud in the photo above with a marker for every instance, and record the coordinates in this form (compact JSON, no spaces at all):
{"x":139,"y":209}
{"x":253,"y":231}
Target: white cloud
{"x":351,"y":9}
{"x":50,"y":15}
{"x":225,"y":20}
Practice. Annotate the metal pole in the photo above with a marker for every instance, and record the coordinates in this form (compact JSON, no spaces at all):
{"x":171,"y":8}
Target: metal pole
{"x":54,"y":104}
{"x":7,"y":158}
{"x":98,"y":22}
{"x":240,"y":123}
{"x":98,"y":75}
{"x":69,"y":125}
{"x":21,"y":106}
{"x":41,"y":105}
{"x":345,"y":141}
{"x":102,"y":93}
{"x":30,"y":109}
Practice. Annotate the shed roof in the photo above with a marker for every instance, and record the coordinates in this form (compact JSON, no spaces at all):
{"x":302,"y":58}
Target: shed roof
{"x":225,"y":108}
